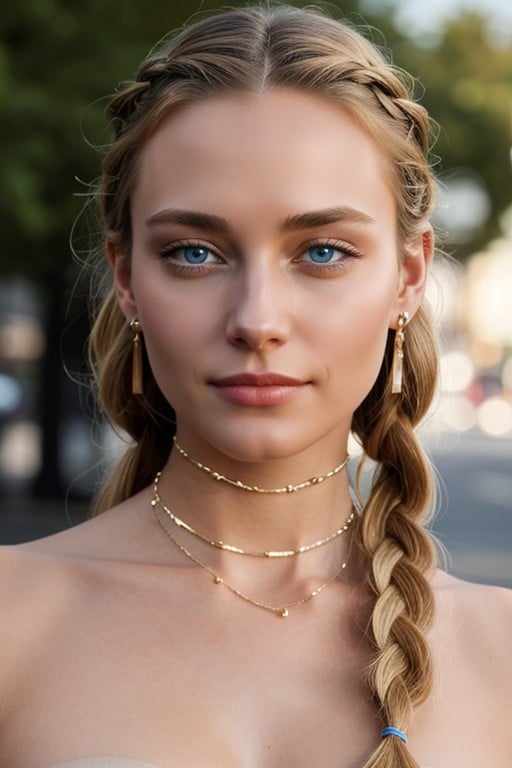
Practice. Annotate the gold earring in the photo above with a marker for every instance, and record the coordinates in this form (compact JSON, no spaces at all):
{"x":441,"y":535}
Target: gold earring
{"x":136,"y":358}
{"x":398,"y":355}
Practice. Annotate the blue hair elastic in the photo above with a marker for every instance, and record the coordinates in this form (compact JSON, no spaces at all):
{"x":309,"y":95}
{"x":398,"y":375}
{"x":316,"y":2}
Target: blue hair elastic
{"x":390,"y":731}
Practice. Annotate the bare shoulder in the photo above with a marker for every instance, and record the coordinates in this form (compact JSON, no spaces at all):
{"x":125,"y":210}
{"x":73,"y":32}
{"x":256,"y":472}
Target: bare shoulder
{"x":31,"y":587}
{"x":46,"y":584}
{"x":33,"y":577}
{"x":123,"y":533}
{"x":37,"y":574}
{"x":476,"y":621}
{"x":491,"y":603}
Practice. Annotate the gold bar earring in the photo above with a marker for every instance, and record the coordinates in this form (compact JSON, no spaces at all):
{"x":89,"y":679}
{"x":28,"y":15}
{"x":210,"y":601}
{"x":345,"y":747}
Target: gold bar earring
{"x":398,"y":355}
{"x":137,"y":387}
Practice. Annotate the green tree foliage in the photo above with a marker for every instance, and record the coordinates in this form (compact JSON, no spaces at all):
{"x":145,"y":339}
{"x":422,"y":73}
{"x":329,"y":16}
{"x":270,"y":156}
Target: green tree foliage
{"x":58,"y":58}
{"x":467,"y":78}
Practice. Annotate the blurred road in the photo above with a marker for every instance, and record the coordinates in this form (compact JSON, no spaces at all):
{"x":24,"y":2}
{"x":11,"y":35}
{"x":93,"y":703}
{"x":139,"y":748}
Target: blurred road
{"x":474,"y":521}
{"x":24,"y":519}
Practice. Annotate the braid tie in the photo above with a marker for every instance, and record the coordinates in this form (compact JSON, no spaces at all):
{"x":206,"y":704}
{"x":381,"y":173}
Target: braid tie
{"x":391,"y":731}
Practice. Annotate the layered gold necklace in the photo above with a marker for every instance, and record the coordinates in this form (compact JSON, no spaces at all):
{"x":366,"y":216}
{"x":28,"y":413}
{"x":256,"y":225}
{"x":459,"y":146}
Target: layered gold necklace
{"x":165,"y":516}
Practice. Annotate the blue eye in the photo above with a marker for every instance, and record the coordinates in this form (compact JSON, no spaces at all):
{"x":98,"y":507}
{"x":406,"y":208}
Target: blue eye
{"x":195,"y":254}
{"x":322,"y":254}
{"x":192,"y":258}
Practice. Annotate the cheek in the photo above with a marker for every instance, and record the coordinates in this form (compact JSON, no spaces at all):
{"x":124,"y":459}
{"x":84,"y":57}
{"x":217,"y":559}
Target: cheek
{"x":357,"y":342}
{"x":362,"y":349}
{"x":169,"y":337}
{"x":368,"y":351}
{"x":182,"y":326}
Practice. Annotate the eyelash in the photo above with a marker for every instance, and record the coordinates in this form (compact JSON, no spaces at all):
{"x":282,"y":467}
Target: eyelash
{"x":350,"y":252}
{"x":344,"y":248}
{"x":166,"y":253}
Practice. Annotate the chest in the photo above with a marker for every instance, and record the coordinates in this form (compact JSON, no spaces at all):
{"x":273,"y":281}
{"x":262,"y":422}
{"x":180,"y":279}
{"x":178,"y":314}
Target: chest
{"x":172,"y":681}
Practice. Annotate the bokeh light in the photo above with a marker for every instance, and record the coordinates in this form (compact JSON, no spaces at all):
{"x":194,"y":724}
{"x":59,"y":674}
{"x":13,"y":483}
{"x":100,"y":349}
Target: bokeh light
{"x":495,"y":417}
{"x":457,"y":371}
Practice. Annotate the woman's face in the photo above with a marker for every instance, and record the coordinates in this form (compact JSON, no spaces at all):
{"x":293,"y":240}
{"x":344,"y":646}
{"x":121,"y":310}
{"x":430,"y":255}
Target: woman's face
{"x":265,"y":249}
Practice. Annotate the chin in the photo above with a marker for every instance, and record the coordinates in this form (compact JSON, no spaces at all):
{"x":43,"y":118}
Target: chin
{"x":253,"y":444}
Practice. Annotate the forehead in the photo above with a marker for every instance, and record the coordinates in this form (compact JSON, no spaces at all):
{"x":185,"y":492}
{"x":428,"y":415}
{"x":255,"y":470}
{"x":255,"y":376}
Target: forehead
{"x":282,"y":148}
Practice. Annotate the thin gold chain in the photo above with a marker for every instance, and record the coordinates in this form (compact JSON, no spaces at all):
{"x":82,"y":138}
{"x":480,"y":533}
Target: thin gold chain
{"x":255,"y":488}
{"x":156,"y":500}
{"x":282,"y":610}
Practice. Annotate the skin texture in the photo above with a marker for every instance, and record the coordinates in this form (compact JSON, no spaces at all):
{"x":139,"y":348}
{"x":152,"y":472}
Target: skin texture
{"x":113,"y":642}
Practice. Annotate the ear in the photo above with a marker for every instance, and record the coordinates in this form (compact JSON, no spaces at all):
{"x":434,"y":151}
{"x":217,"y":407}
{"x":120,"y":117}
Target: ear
{"x":122,"y":276}
{"x":413,"y":275}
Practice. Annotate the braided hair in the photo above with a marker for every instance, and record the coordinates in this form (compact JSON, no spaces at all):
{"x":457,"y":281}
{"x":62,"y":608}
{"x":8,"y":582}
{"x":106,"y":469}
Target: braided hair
{"x":253,"y":50}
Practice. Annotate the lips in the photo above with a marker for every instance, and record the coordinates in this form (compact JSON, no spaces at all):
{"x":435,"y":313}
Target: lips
{"x":257,"y":380}
{"x":258,"y":389}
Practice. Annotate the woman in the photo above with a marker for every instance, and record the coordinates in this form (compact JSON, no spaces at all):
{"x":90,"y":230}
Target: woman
{"x":266,"y":205}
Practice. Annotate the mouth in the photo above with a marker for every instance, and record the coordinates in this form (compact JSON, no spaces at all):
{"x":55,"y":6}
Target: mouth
{"x":258,"y":389}
{"x":267,"y":379}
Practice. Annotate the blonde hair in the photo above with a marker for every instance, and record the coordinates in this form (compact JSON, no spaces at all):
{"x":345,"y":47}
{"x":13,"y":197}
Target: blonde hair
{"x":254,"y":50}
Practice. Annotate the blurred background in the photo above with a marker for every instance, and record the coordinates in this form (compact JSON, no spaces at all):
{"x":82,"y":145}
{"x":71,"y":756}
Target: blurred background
{"x":58,"y":62}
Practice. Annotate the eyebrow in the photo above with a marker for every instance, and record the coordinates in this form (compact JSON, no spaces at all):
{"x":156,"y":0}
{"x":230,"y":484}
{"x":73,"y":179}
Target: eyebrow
{"x":326,"y":216}
{"x":189,"y":218}
{"x":209,"y":221}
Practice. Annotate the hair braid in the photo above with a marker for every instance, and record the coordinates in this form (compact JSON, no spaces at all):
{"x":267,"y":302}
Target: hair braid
{"x":400,"y":553}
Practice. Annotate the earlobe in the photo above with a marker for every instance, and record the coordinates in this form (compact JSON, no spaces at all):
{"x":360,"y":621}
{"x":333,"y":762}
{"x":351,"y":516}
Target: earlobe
{"x":121,"y":274}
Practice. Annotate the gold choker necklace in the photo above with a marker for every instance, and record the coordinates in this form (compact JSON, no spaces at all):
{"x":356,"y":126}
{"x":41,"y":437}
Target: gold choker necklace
{"x":156,"y":500}
{"x":255,"y":488}
{"x":281,"y":611}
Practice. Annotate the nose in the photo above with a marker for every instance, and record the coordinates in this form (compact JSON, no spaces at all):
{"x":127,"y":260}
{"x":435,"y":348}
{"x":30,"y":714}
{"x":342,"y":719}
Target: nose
{"x":259,"y":310}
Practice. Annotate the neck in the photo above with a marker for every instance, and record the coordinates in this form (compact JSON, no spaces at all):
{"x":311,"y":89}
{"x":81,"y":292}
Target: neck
{"x":279,"y":490}
{"x":258,"y":521}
